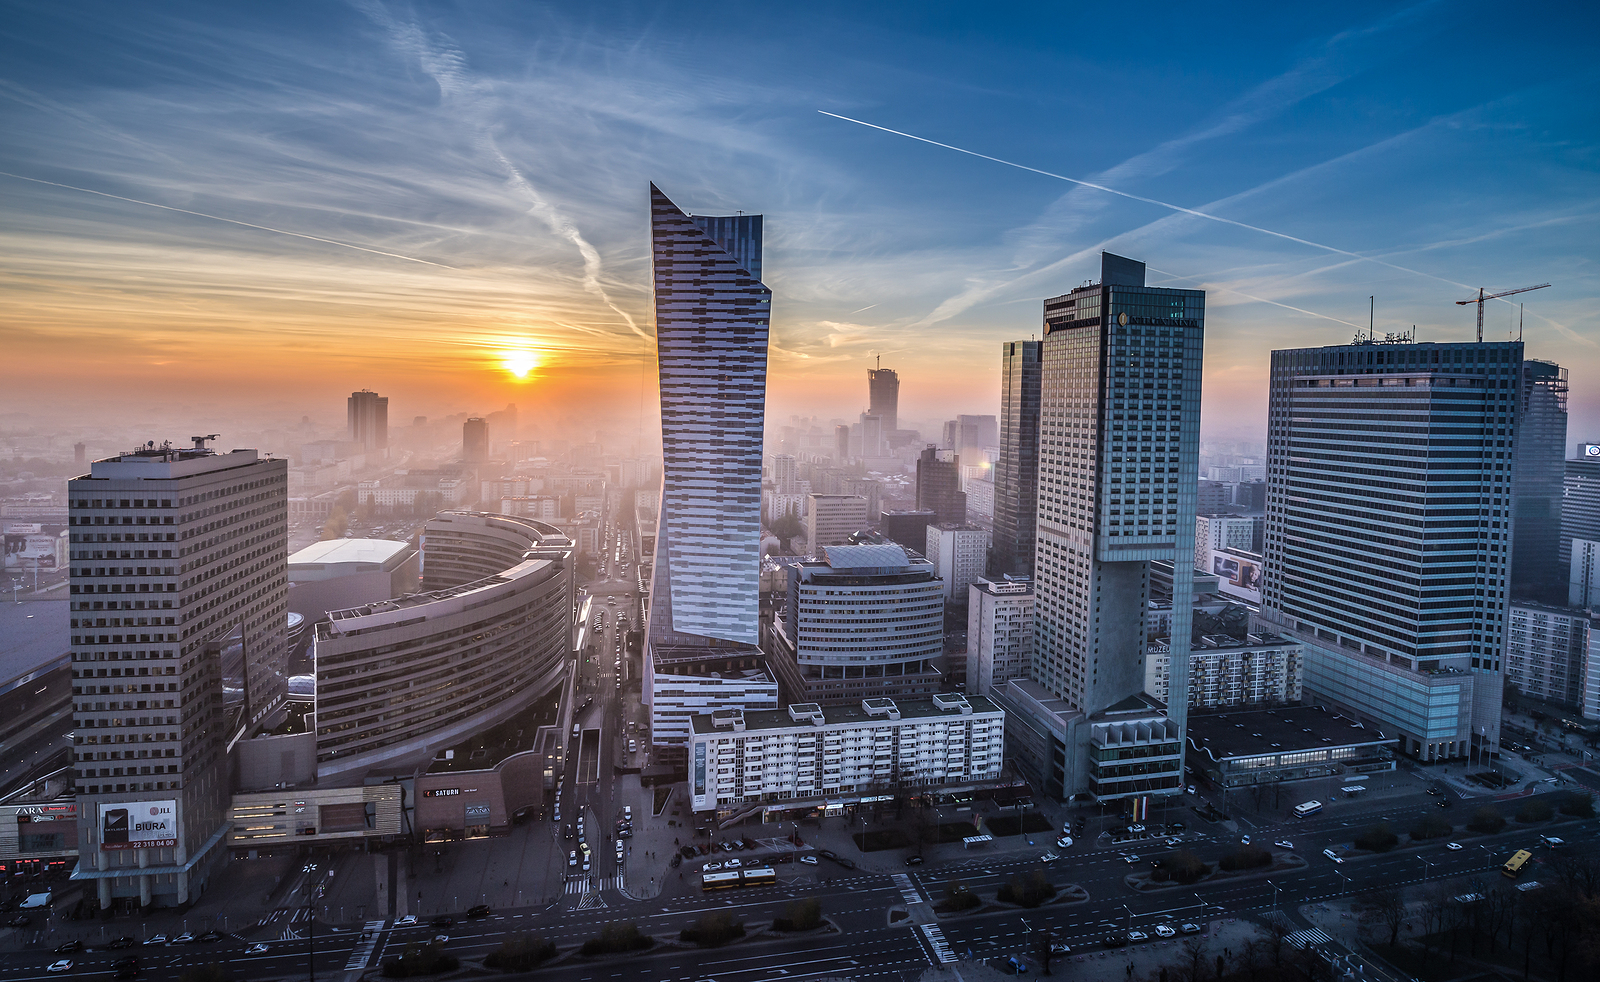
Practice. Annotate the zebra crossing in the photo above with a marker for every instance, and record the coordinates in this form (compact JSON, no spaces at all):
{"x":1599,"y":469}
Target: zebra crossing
{"x":581,"y":884}
{"x":941,"y":947}
{"x":1309,"y":938}
{"x":363,"y":950}
{"x":908,"y":889}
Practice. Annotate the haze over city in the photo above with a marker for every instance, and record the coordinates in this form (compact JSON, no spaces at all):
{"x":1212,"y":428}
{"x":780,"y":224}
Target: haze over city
{"x":482,"y":168}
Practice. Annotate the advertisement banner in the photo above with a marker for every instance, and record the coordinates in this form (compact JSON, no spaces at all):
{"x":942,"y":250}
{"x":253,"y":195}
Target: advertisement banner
{"x":138,"y":825}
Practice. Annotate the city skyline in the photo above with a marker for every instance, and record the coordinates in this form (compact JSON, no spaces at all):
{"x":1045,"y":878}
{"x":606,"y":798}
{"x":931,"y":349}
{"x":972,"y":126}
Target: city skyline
{"x":286,"y":233}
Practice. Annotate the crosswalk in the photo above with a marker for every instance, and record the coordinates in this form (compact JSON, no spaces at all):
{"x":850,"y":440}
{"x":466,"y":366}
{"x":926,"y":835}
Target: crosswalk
{"x":941,"y":947}
{"x":908,"y":889}
{"x":582,"y":884}
{"x":591,"y":901}
{"x":363,"y":950}
{"x":1309,"y":938}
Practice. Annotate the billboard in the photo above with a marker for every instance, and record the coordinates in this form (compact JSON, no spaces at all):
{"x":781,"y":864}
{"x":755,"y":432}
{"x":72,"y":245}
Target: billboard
{"x":138,"y":824}
{"x":1240,"y":573}
{"x":28,"y":547}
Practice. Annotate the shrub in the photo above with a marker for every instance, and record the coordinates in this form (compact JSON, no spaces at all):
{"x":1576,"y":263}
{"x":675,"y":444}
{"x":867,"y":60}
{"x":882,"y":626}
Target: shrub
{"x":1246,"y":857}
{"x":1579,"y":804}
{"x":1535,"y":810}
{"x":713,"y":930}
{"x":1487,"y":820}
{"x":419,"y":960}
{"x":1377,"y":838}
{"x":617,"y":939}
{"x":1187,"y":868}
{"x":1027,"y":890}
{"x":957,"y":898}
{"x":519,"y":953}
{"x":1430,"y":827}
{"x":802,"y":915}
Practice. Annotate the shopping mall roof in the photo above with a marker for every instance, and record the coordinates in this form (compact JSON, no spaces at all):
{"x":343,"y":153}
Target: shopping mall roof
{"x":1258,"y":732}
{"x":347,"y":552}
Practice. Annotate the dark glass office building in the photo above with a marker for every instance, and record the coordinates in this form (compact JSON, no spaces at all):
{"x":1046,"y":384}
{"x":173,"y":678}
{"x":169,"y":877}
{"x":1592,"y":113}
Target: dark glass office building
{"x":1016,"y":473}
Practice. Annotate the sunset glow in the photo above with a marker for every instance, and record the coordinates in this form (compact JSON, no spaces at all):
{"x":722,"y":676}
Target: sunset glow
{"x":519,"y":362}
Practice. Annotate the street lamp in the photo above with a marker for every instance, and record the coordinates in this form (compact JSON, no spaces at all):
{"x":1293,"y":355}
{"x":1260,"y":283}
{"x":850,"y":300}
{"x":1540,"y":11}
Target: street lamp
{"x":1274,"y":887}
{"x":1426,"y":867}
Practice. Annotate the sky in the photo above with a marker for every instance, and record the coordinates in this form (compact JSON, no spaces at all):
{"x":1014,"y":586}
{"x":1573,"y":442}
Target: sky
{"x":267,"y":206}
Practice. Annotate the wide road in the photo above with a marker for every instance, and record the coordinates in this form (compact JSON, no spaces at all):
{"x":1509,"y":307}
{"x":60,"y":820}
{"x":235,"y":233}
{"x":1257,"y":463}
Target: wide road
{"x":867,"y":944}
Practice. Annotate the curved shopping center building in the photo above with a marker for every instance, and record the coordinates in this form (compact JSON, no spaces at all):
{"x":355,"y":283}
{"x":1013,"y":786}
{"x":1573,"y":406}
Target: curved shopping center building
{"x":489,"y":634}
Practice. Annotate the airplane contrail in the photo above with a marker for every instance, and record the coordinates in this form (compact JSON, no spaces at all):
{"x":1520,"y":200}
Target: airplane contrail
{"x":1251,"y":296}
{"x":231,"y":221}
{"x":1152,"y":201}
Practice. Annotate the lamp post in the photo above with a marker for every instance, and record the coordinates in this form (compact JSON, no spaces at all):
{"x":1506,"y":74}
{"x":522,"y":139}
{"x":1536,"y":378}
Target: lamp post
{"x":1274,"y":887}
{"x":1427,"y":867}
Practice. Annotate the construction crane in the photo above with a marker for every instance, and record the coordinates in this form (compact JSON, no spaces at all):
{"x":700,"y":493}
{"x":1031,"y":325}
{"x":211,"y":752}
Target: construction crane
{"x":1481,"y":297}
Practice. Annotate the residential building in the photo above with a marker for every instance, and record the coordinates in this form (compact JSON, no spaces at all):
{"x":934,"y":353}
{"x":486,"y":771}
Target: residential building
{"x":999,"y":633}
{"x":368,"y":417}
{"x":958,"y":554}
{"x":869,"y":489}
{"x":781,"y":471}
{"x":861,"y":621}
{"x":1392,"y":636}
{"x":196,"y":612}
{"x":1546,"y":651}
{"x":1537,"y":570}
{"x":1231,"y":673}
{"x":841,"y":443}
{"x":980,"y":500}
{"x":1119,"y":447}
{"x":712,"y":317}
{"x":1583,"y":578}
{"x":872,"y":436}
{"x":1016,"y":472}
{"x":800,"y":756}
{"x":1590,"y":706}
{"x":939,"y":485}
{"x":475,"y":441}
{"x":831,"y":519}
{"x":1226,"y":531}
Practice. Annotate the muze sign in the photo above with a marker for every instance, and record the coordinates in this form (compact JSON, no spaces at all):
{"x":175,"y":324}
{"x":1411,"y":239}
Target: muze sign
{"x":138,"y":825}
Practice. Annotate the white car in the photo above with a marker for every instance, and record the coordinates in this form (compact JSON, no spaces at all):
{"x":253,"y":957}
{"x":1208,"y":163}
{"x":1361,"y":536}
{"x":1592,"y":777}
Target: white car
{"x":1130,"y":859}
{"x":1136,"y":828}
{"x":184,"y":938}
{"x":440,"y":938}
{"x":1284,"y":844}
{"x":1137,"y":936}
{"x":1065,"y":842}
{"x":157,"y":939}
{"x":410,"y":920}
{"x":732,"y":864}
{"x":1049,"y":857}
{"x":1163,"y":931}
{"x":1332,"y":855}
{"x":1191,"y":789}
{"x":63,"y":965}
{"x":809,"y":860}
{"x":256,"y":949}
{"x":710,"y":867}
{"x":1174,"y":841}
{"x":1452,"y":846}
{"x":1244,"y":839}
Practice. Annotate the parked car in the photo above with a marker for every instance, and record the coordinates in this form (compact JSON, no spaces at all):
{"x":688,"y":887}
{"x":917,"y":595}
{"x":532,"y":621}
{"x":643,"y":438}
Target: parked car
{"x":443,"y":920}
{"x":157,"y":939}
{"x":732,"y":864}
{"x":1136,"y":936}
{"x":809,"y":860}
{"x":1188,"y":929}
{"x":1115,"y":941}
{"x":1136,"y":828}
{"x":210,"y":937}
{"x":1065,"y":842}
{"x":827,"y":854}
{"x":184,"y":938}
{"x":846,"y":863}
{"x":572,"y":860}
{"x":66,"y":946}
{"x":710,"y":867}
{"x":914,"y":860}
{"x":1165,"y":931}
{"x":122,"y":942}
{"x":1060,"y":948}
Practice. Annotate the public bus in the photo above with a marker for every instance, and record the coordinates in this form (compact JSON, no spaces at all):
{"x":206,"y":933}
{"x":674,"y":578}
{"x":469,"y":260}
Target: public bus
{"x":1513,"y":866}
{"x":760,"y":876}
{"x":1309,"y":808}
{"x":719,"y":881}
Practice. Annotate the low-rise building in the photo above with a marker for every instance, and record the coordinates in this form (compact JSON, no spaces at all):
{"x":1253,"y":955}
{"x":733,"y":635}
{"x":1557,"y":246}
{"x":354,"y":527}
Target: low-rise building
{"x":1290,"y":743}
{"x":807,"y":753}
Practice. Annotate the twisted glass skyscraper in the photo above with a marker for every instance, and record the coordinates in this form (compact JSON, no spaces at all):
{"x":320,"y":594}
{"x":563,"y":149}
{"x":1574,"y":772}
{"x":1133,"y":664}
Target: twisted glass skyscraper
{"x":711,"y":343}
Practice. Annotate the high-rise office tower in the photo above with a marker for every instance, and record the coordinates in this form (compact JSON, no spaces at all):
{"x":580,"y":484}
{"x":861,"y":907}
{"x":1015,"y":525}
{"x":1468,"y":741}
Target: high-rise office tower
{"x":1389,"y":531}
{"x":939,"y":486}
{"x":957,"y":553}
{"x":712,"y":315}
{"x":1580,"y":501}
{"x":368,"y":415}
{"x":1119,"y":432}
{"x":781,"y":468}
{"x":872,"y":436}
{"x":883,"y":397}
{"x":1016,"y":473}
{"x":1537,"y":572}
{"x":831,"y":519}
{"x":841,"y":443}
{"x":475,"y":440}
{"x":178,"y":646}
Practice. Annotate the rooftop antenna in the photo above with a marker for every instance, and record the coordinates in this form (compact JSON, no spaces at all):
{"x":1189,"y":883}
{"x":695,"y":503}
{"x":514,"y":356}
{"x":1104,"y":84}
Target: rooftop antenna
{"x":1519,"y":322}
{"x":200,"y":441}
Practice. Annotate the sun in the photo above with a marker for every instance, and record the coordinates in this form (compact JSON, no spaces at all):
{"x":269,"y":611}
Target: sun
{"x":519,"y":362}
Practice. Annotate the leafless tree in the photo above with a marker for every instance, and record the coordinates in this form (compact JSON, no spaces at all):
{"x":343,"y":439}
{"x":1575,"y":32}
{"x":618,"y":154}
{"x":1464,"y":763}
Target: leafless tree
{"x":1386,"y":907}
{"x":1249,"y":959}
{"x":1195,"y":949}
{"x":1499,"y":910}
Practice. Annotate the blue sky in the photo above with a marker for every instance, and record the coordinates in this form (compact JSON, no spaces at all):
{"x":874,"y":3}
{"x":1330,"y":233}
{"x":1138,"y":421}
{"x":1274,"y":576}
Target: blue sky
{"x":412,"y":189}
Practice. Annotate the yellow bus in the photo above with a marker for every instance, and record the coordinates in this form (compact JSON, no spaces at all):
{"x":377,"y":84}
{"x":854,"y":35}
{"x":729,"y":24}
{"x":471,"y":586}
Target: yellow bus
{"x":1513,"y":866}
{"x":719,"y":881}
{"x":761,"y":876}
